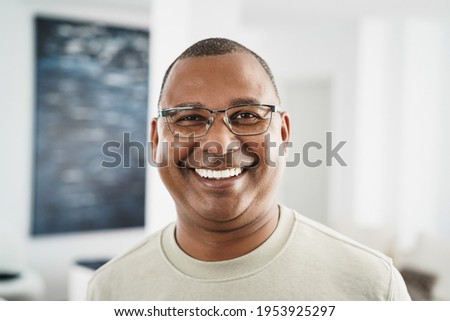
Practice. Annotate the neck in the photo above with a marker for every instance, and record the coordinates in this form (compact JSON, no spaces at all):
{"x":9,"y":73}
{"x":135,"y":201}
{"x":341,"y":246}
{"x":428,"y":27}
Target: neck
{"x":209,"y":244}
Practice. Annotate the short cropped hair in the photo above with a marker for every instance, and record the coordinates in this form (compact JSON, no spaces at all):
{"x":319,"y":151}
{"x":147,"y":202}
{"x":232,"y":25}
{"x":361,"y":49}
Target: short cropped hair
{"x":216,"y":47}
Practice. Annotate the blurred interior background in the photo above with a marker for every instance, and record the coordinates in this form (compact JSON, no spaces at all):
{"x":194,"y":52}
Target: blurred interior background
{"x":376,"y":74}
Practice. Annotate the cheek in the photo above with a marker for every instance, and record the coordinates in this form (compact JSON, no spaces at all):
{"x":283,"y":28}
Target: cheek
{"x":172,"y":151}
{"x":271,"y":165}
{"x":268,"y":152}
{"x":275,"y":150}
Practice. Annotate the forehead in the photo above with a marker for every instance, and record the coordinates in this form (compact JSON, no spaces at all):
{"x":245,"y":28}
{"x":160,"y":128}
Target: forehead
{"x":217,"y":81}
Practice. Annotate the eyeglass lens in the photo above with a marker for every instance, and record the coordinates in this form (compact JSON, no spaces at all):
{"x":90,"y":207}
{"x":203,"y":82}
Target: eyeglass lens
{"x":241,"y":120}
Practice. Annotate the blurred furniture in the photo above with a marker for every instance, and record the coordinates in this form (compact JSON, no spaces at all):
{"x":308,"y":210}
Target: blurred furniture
{"x":22,"y":286}
{"x":428,"y":265}
{"x":17,"y":280}
{"x":420,"y":284}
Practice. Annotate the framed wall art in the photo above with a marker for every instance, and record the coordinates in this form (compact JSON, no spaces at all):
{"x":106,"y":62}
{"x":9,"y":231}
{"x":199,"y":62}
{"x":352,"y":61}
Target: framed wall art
{"x":91,"y":88}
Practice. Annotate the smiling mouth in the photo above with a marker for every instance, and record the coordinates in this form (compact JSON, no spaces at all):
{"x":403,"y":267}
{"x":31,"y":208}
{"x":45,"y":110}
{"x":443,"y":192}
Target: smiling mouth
{"x":221,"y":174}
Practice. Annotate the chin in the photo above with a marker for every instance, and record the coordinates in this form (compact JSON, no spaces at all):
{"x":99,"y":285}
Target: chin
{"x":222,"y":212}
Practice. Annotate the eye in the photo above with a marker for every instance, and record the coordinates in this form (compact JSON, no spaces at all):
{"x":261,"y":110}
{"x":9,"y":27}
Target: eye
{"x":192,"y":118}
{"x":245,"y":115}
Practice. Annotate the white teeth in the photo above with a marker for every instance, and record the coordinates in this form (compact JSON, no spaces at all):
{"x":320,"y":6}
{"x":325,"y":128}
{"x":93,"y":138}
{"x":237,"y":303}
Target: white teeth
{"x":227,"y":173}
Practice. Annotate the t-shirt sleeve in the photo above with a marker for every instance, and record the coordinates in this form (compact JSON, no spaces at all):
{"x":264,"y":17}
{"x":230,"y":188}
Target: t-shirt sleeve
{"x":97,"y":288}
{"x":398,"y":290}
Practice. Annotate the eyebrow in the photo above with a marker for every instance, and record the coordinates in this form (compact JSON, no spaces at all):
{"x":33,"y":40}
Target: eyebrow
{"x":244,"y":101}
{"x":190,"y":104}
{"x":234,"y":102}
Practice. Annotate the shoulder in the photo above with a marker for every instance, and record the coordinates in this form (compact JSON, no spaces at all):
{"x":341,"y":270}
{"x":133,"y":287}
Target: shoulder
{"x":123,"y":270}
{"x":346,"y":261}
{"x":326,"y":239}
{"x":136,"y":253}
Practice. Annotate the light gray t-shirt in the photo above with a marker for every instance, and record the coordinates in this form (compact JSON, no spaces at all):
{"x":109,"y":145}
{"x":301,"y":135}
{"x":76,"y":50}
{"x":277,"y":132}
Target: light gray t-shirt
{"x":301,"y":260}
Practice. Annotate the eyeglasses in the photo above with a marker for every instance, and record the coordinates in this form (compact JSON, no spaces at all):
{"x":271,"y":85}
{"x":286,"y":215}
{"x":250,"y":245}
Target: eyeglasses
{"x":242,"y":120}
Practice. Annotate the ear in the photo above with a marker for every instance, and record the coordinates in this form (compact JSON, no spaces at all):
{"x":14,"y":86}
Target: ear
{"x":285,"y":126}
{"x":154,"y":138}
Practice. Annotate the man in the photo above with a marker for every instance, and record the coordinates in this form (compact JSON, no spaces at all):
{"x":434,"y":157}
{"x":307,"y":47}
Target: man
{"x":219,"y":120}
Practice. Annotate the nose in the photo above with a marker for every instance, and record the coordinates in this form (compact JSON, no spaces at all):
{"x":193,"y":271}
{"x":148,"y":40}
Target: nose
{"x":219,"y":139}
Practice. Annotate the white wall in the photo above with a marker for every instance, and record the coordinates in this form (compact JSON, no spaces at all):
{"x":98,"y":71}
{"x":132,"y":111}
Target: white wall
{"x":305,"y":186}
{"x":49,"y":255}
{"x":443,"y":138}
{"x":401,"y":105}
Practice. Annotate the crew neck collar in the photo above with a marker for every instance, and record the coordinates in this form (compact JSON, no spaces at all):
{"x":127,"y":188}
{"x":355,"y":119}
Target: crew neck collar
{"x":239,"y":267}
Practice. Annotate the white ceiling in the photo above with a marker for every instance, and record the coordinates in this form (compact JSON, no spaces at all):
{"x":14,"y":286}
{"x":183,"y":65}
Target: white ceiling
{"x":288,"y":11}
{"x":128,"y":4}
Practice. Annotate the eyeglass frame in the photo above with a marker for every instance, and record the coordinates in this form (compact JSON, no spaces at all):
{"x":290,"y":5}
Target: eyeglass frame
{"x":164,"y":112}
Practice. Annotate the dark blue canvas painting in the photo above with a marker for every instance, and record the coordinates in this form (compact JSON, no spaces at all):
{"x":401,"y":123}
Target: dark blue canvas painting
{"x":91,"y":88}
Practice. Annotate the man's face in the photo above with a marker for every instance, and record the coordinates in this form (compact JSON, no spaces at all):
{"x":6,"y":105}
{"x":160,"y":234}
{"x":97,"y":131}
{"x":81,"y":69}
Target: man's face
{"x":217,"y":82}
